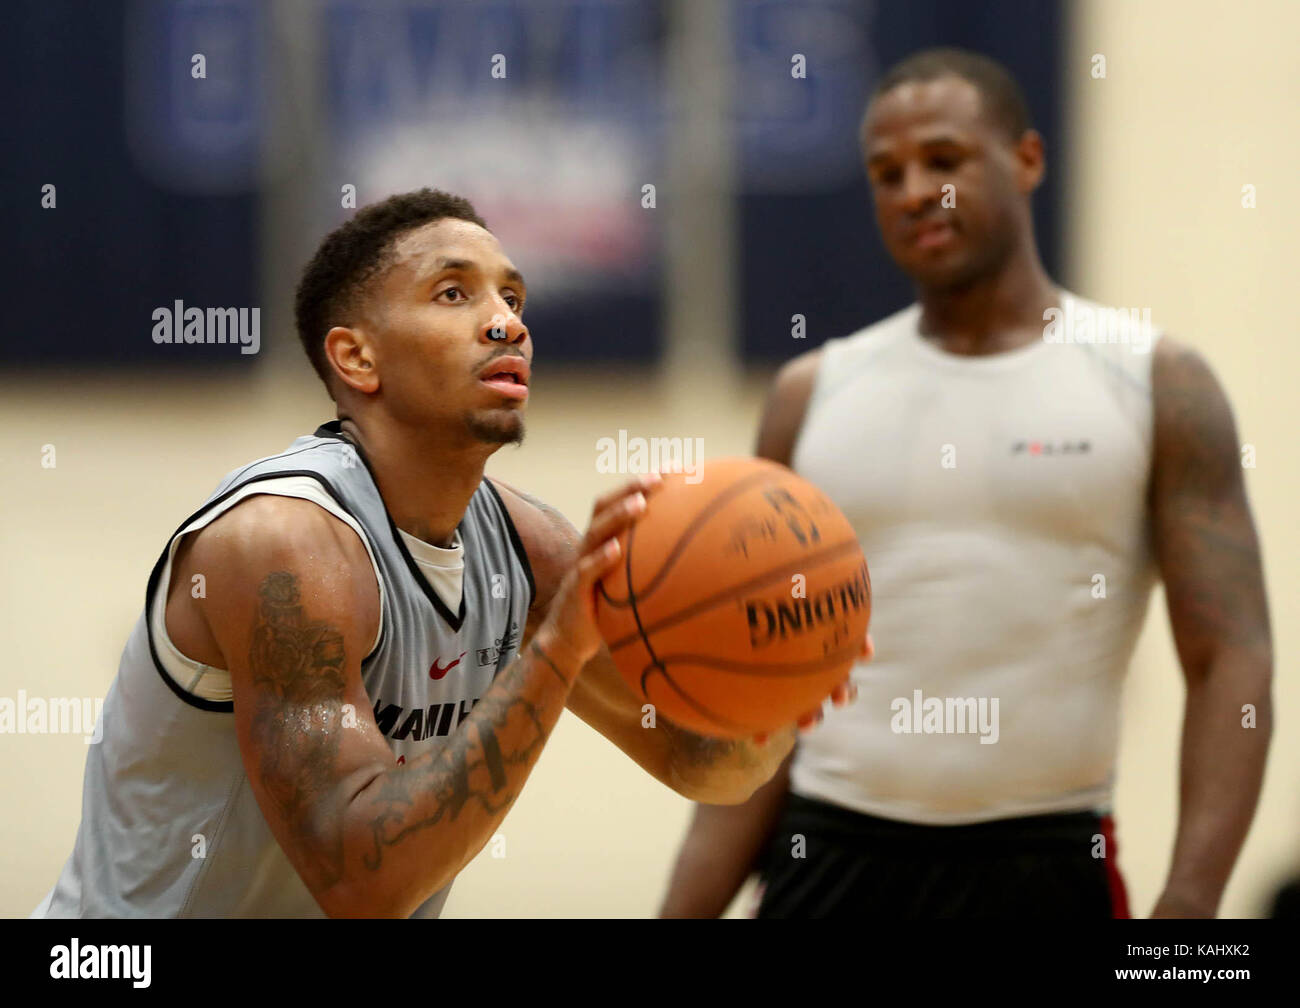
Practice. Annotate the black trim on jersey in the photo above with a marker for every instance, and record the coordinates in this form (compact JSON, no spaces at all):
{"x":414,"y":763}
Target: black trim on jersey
{"x":334,"y":429}
{"x":228,"y":706}
{"x":515,"y":541}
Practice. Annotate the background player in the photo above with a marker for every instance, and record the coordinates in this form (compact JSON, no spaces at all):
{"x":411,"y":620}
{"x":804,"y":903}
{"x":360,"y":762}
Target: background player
{"x":1064,"y":461}
{"x":353,"y":653}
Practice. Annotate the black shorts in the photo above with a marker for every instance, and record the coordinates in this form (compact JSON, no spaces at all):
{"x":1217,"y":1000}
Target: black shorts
{"x":1047,"y":866}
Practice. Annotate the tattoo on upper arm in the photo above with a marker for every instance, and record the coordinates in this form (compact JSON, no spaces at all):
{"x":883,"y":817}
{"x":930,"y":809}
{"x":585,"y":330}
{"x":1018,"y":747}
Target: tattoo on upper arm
{"x":472,"y":767}
{"x":297,"y":665}
{"x":1204,"y":535}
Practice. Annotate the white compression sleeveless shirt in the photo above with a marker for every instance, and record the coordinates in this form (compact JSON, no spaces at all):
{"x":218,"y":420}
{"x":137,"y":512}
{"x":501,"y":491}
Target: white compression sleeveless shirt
{"x":1001,"y":504}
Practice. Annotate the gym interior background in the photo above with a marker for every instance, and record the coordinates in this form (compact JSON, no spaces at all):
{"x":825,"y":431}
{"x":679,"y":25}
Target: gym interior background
{"x":665,"y":320}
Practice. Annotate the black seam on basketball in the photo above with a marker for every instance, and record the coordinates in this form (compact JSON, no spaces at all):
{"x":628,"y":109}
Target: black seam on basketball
{"x":726,"y":594}
{"x":698,"y":707}
{"x":688,"y":533}
{"x":774,"y":670}
{"x":627,"y":561}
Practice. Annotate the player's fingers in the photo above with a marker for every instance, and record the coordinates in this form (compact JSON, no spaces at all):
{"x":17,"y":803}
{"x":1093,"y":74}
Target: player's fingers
{"x":611,"y":521}
{"x":845,"y":693}
{"x":868,"y":648}
{"x":647,"y":483}
{"x":595,"y":563}
{"x":810,"y":720}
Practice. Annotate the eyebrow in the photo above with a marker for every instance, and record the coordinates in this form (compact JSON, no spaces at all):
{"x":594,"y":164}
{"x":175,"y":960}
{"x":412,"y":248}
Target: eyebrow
{"x":942,"y":140}
{"x":468,"y":266}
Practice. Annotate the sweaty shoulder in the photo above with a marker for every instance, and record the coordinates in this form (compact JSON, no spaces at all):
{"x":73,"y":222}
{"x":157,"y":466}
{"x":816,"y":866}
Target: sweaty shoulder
{"x":269,"y":533}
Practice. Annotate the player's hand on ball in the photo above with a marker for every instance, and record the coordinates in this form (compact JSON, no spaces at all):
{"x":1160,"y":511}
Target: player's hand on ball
{"x":842,"y":695}
{"x":570,"y":626}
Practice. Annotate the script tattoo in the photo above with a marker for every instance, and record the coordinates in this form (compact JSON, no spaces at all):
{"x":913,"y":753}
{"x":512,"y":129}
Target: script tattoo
{"x":473,"y":767}
{"x":297,"y":667}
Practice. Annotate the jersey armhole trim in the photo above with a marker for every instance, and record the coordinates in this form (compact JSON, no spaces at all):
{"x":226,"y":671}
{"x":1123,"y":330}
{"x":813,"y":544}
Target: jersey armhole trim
{"x":515,"y":541}
{"x":228,"y":706}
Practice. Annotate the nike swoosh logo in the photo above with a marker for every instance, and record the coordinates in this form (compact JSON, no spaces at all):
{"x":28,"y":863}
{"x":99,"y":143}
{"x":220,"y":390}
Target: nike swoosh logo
{"x":437,"y":672}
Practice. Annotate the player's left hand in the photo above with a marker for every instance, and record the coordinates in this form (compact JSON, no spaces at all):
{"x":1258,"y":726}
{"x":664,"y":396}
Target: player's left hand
{"x":842,"y":695}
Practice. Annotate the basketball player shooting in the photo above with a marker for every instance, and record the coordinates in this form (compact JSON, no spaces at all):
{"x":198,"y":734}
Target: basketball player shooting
{"x":1066,"y":459}
{"x":385,"y":639}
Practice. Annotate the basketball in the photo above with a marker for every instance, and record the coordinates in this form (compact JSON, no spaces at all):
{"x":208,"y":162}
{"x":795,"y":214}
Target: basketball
{"x":741,"y":600}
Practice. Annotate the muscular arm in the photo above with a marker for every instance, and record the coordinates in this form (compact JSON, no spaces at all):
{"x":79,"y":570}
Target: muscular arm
{"x":723,"y":842}
{"x":704,"y":769}
{"x":1209,"y":559}
{"x":721,"y":849}
{"x":292,"y":604}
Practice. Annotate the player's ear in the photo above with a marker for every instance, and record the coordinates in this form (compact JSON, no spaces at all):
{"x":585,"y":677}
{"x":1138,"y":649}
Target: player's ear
{"x":1031,"y":161}
{"x":351,"y":354}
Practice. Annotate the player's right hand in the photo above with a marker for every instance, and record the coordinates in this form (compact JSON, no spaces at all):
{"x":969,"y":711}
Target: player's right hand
{"x":570,"y":625}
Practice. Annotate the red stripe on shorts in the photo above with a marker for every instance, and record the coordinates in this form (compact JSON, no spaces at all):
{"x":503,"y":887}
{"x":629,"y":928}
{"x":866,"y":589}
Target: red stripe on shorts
{"x":1118,"y":895}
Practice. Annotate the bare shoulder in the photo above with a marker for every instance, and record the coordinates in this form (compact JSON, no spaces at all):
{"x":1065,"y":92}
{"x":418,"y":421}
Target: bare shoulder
{"x":1176,"y":364}
{"x":279,"y":525}
{"x":1195,"y":432}
{"x":787,"y":402}
{"x":549,"y":539}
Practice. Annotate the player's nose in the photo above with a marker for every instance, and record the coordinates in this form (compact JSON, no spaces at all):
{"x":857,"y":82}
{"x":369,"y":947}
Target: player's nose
{"x":503,"y":328}
{"x":917,"y":190}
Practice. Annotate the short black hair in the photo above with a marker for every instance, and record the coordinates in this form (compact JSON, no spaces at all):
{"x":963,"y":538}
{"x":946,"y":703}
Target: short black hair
{"x":353,"y":253}
{"x":1004,"y":101}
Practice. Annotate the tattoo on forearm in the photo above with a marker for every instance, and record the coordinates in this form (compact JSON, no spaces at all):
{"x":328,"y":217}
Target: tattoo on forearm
{"x":537,"y":649}
{"x":701,"y":751}
{"x":472,"y":768}
{"x":297,"y":666}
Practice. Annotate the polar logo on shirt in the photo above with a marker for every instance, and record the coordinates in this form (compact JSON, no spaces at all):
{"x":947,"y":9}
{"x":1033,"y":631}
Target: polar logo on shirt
{"x":1048,"y":449}
{"x":102,"y":962}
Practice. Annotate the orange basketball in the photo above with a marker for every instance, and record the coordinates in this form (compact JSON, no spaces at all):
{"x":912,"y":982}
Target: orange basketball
{"x":740,"y":601}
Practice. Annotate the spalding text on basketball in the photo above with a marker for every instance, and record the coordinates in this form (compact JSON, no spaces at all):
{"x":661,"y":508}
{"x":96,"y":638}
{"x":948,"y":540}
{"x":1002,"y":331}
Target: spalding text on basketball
{"x":780,"y":618}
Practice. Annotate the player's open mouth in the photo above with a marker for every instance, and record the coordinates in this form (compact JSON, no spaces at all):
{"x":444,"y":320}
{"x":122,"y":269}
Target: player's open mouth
{"x":508,"y":376}
{"x":935,"y":235}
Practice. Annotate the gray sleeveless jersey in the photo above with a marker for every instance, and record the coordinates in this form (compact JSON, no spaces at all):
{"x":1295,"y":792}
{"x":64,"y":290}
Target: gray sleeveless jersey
{"x":169,"y":824}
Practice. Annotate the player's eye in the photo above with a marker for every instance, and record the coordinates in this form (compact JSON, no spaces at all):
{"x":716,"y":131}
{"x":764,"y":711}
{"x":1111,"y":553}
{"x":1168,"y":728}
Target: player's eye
{"x":451,"y":290}
{"x":514,"y":301}
{"x":944,"y":162}
{"x":888,"y":176}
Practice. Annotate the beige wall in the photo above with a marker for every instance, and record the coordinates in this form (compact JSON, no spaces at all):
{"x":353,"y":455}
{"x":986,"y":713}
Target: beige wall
{"x":1198,"y":100}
